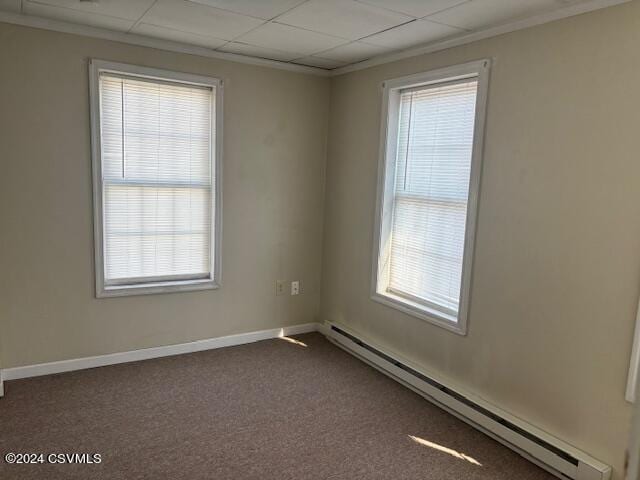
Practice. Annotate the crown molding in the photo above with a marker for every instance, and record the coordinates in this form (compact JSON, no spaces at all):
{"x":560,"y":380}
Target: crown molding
{"x":178,"y":47}
{"x":558,"y":14}
{"x":144,"y":41}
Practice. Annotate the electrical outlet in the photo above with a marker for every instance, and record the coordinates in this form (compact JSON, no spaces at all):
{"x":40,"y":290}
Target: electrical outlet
{"x":295,"y":287}
{"x":279,"y":287}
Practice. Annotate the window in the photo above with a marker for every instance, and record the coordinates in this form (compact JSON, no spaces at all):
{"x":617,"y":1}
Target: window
{"x":156,"y":156}
{"x":429,"y":179}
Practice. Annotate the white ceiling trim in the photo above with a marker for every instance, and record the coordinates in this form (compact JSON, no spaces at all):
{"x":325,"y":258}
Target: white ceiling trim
{"x":141,"y":40}
{"x":558,"y":14}
{"x":152,"y":42}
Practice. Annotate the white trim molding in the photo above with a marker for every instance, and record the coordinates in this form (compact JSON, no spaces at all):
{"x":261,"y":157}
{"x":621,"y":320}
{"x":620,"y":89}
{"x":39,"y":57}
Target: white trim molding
{"x":633,"y":450}
{"x":62,"y":366}
{"x":455,"y":321}
{"x":634,"y":363}
{"x":513,"y":26}
{"x":151,"y":42}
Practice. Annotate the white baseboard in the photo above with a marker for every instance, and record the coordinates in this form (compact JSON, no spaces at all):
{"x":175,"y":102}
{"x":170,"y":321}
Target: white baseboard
{"x":154,"y":352}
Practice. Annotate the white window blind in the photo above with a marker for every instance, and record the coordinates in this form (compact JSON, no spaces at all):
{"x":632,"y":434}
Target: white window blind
{"x":435,"y":139}
{"x":157,"y":179}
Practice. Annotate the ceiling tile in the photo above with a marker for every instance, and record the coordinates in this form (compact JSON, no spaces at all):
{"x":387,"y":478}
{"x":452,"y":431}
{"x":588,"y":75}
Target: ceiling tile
{"x":319,"y":62}
{"x":262,"y":52}
{"x":76,"y":16}
{"x":485,"y":13}
{"x":266,"y":9}
{"x":415,"y":8}
{"x":178,"y":36}
{"x":288,"y":39}
{"x":10,"y":6}
{"x":411,"y":34}
{"x":342,"y":18}
{"x":195,"y":18}
{"x":353,"y":52}
{"x":127,"y":9}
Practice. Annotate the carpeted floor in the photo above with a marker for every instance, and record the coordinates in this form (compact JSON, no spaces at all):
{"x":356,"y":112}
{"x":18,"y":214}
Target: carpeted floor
{"x":269,"y":410}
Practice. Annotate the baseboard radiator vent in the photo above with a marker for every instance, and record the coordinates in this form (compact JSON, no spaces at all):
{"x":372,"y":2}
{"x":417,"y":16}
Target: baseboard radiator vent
{"x":550,"y":453}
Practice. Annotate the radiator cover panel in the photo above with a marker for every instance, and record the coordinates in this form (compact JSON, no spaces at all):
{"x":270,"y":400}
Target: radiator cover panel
{"x":552,"y":454}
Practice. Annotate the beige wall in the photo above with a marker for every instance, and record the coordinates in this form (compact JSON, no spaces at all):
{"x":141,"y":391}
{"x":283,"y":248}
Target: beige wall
{"x":274,"y":141}
{"x":555,"y":283}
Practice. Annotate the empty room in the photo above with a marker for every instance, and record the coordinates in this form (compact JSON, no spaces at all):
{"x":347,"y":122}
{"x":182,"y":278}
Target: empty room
{"x":319,"y":239}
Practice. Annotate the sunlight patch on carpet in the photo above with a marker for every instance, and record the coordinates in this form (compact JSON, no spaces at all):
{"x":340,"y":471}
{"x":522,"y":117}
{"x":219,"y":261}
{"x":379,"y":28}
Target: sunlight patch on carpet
{"x":293,"y":340}
{"x":440,"y":448}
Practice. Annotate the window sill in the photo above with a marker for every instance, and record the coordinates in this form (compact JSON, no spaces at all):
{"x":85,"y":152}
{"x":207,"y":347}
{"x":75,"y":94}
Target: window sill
{"x":104,"y":291}
{"x":446,"y":321}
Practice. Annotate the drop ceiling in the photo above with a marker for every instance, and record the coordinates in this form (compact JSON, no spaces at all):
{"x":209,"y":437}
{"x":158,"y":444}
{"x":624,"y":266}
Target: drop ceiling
{"x":325,"y":34}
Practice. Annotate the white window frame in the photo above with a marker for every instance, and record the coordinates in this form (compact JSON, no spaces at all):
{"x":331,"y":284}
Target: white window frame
{"x":386,"y":182}
{"x":159,"y":286}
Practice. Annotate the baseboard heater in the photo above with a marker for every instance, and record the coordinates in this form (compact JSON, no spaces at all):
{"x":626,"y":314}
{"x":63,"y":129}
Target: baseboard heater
{"x":550,"y":453}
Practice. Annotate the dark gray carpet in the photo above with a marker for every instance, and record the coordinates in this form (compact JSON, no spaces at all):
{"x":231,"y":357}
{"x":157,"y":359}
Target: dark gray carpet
{"x":268,"y":410}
